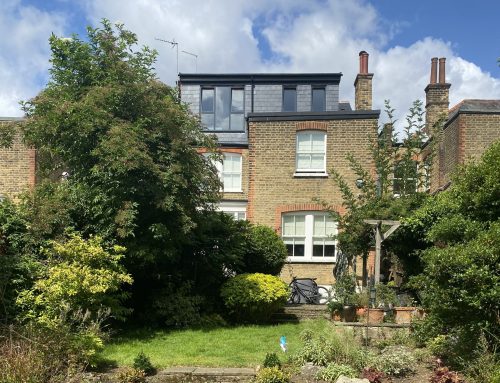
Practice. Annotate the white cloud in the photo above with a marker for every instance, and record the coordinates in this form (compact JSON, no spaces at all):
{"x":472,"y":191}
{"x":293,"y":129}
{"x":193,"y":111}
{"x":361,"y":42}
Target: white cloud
{"x":25,"y":31}
{"x":303,"y":36}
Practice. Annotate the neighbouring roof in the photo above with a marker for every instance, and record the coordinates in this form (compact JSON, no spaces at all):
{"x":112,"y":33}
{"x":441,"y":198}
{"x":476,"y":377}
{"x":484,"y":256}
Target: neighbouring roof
{"x":474,"y":106}
{"x":11,"y":118}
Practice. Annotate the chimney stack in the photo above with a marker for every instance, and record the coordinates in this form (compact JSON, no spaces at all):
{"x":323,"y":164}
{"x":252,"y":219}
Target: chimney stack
{"x":436,"y":94}
{"x":363,"y":84}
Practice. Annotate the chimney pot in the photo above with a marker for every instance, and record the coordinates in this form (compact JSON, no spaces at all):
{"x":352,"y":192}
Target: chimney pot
{"x":363,"y":62}
{"x":434,"y":62}
{"x":442,"y":70}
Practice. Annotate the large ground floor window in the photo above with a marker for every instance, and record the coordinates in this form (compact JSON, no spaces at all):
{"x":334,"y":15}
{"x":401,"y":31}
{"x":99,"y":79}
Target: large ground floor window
{"x":309,"y":236}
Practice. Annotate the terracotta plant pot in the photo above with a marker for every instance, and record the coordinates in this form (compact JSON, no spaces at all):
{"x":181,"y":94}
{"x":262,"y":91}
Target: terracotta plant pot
{"x":361,"y":313}
{"x":374,"y":315}
{"x":336,"y":316}
{"x":407,"y":314}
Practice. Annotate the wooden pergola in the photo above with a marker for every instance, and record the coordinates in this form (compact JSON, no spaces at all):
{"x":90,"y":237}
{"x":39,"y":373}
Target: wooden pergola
{"x":379,"y":238}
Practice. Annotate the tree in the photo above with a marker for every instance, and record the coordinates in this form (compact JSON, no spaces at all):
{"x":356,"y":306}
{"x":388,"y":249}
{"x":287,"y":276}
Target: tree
{"x":376,"y":198}
{"x":127,"y":149}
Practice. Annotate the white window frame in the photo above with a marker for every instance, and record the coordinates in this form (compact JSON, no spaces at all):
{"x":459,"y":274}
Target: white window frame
{"x":309,"y":237}
{"x":321,"y":170}
{"x":223,"y":172}
{"x":236,"y":209}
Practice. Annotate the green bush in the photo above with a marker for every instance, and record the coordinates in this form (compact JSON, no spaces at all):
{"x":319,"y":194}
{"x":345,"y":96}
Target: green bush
{"x":142,"y":362}
{"x":254,"y":297}
{"x":272,"y":360}
{"x":332,"y":372}
{"x":272,"y":375}
{"x":265,"y":251}
{"x":395,"y":361}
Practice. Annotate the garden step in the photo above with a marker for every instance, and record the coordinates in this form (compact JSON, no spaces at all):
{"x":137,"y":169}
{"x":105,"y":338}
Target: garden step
{"x":297,"y":312}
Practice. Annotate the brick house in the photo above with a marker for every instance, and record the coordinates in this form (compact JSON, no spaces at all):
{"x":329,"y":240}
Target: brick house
{"x":280,"y":135}
{"x":468,"y":128}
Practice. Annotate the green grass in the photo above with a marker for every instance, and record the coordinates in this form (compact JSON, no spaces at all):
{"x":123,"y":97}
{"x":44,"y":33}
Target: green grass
{"x":242,"y":346}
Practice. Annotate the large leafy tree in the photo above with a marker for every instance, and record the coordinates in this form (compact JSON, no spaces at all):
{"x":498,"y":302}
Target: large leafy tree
{"x":118,"y":154}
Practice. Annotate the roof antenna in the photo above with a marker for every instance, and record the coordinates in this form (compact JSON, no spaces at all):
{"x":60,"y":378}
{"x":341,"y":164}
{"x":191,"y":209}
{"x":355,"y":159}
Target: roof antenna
{"x":195,"y":60}
{"x":176,"y":45}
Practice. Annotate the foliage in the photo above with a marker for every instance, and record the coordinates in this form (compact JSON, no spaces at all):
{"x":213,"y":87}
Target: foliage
{"x":373,"y":375}
{"x":395,"y":361}
{"x":265,"y":251}
{"x":131,"y":375}
{"x":142,"y":362}
{"x":334,"y":307}
{"x":442,"y":374}
{"x":344,"y":289}
{"x":7,"y":134}
{"x":333,"y":370}
{"x":39,"y":354}
{"x":254,"y":297}
{"x":177,"y":306}
{"x":375,"y":199}
{"x":272,"y":360}
{"x":129,"y":147}
{"x":272,"y":375}
{"x":385,"y":296}
{"x":324,"y":347}
{"x":81,"y":276}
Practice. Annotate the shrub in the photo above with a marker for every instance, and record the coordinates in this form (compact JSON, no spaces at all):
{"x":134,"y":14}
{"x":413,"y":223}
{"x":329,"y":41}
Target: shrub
{"x":332,"y":372}
{"x":395,"y":361}
{"x":272,"y":360}
{"x":272,"y":375}
{"x":444,"y":375}
{"x":265,"y":251}
{"x":254,"y":297}
{"x":142,"y":362}
{"x":131,"y":375}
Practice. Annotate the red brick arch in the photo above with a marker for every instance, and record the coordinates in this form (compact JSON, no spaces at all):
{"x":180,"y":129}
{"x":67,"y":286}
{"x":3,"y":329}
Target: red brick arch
{"x":311,"y":125}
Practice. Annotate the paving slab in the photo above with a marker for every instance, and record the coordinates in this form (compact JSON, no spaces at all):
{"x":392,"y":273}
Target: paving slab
{"x":178,"y":370}
{"x":239,"y":371}
{"x":208,"y":371}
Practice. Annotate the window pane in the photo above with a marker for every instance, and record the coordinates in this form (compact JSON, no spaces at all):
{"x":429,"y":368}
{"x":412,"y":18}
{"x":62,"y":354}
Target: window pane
{"x":319,"y":226}
{"x":317,"y":161}
{"x":299,"y":250}
{"x":318,"y":100}
{"x":207,"y":120}
{"x":330,"y":227}
{"x":318,"y":142}
{"x":288,"y":225}
{"x":289,"y":249}
{"x":303,"y":142}
{"x":222,"y":112}
{"x":238,"y":121}
{"x":303,"y":161}
{"x":237,"y":101}
{"x":300,"y":225}
{"x":240,"y":216}
{"x":318,"y":250}
{"x":329,"y":250}
{"x":289,"y":100}
{"x":207,"y":100}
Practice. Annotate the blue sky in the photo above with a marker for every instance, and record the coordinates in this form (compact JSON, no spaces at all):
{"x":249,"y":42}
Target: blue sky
{"x":273,"y":36}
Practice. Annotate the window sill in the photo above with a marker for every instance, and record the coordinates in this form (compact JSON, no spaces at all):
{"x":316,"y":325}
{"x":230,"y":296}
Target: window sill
{"x":309,"y":260}
{"x":232,"y":191}
{"x":310,"y":175}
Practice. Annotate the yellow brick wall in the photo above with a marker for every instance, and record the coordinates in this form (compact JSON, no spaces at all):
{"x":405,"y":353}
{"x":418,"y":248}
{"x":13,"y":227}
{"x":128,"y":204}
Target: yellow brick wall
{"x":17,"y":168}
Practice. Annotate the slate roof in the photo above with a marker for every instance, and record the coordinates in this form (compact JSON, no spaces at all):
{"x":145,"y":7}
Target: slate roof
{"x":475,"y":106}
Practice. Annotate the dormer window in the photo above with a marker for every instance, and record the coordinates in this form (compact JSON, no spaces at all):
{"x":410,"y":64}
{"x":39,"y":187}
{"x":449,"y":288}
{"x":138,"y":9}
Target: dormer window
{"x":318,"y":101}
{"x":222,"y":108}
{"x":289,"y":99}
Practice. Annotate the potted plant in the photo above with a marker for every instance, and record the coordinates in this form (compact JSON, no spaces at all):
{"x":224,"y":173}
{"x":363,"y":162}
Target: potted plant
{"x":344,"y":292}
{"x":335,"y":309}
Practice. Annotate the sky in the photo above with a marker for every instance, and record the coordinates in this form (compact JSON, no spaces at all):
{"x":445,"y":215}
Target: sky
{"x":278,"y":36}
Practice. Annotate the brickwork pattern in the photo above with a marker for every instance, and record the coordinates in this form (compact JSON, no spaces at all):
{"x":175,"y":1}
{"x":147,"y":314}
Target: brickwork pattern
{"x":272,"y":148}
{"x":323,"y":272}
{"x":363,"y":91}
{"x":17,"y":168}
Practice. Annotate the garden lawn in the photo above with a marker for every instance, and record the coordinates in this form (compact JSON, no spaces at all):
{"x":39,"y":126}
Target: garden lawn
{"x":242,"y":346}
